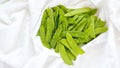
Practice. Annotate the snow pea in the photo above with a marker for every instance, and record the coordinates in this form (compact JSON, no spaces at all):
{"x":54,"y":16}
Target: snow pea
{"x":50,"y":28}
{"x":42,"y":36}
{"x":100,"y":30}
{"x":64,"y":55}
{"x":56,"y":36}
{"x":65,"y":43}
{"x":73,"y":44}
{"x":72,"y":57}
{"x":78,"y":11}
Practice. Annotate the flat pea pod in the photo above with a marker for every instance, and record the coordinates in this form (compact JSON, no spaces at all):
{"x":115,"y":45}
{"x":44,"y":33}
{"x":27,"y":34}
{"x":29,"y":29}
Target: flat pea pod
{"x":64,"y":55}
{"x":73,"y":45}
{"x":50,"y":28}
{"x":78,"y":11}
{"x":56,"y":36}
{"x":72,"y":57}
{"x":65,"y":43}
{"x":42,"y":36}
{"x":100,"y":30}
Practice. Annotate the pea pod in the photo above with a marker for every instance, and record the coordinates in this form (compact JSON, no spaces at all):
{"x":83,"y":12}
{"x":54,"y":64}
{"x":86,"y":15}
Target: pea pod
{"x":65,"y":43}
{"x":73,"y":45}
{"x":56,"y":36}
{"x":78,"y":11}
{"x":42,"y":36}
{"x":100,"y":30}
{"x":63,"y":19}
{"x":72,"y":57}
{"x":43,"y":22}
{"x":90,"y":31}
{"x":50,"y":28}
{"x":64,"y":55}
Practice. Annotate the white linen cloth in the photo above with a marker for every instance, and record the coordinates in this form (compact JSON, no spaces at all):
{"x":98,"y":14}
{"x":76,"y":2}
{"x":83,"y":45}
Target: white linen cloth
{"x":21,"y":48}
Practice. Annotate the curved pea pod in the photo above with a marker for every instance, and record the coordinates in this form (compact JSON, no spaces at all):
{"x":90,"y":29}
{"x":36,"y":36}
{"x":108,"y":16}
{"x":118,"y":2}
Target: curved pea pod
{"x":72,"y":57}
{"x":65,"y":43}
{"x":42,"y":36}
{"x":64,"y":55}
{"x":49,"y":31}
{"x":73,"y":44}
{"x":100,"y":30}
{"x":78,"y":11}
{"x":56,"y":36}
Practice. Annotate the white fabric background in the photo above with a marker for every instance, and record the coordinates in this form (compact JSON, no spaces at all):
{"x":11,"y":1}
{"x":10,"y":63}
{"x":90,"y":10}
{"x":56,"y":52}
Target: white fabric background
{"x":21,"y":48}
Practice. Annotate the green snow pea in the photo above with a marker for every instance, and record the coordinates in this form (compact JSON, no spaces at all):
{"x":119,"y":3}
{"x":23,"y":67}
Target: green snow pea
{"x":64,"y":55}
{"x":65,"y":43}
{"x":42,"y":36}
{"x":56,"y":36}
{"x":100,"y":30}
{"x":73,"y":44}
{"x":78,"y":11}
{"x":50,"y":28}
{"x":72,"y":57}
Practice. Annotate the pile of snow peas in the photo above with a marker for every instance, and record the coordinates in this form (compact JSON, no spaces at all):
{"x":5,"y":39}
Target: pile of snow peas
{"x":66,"y":29}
